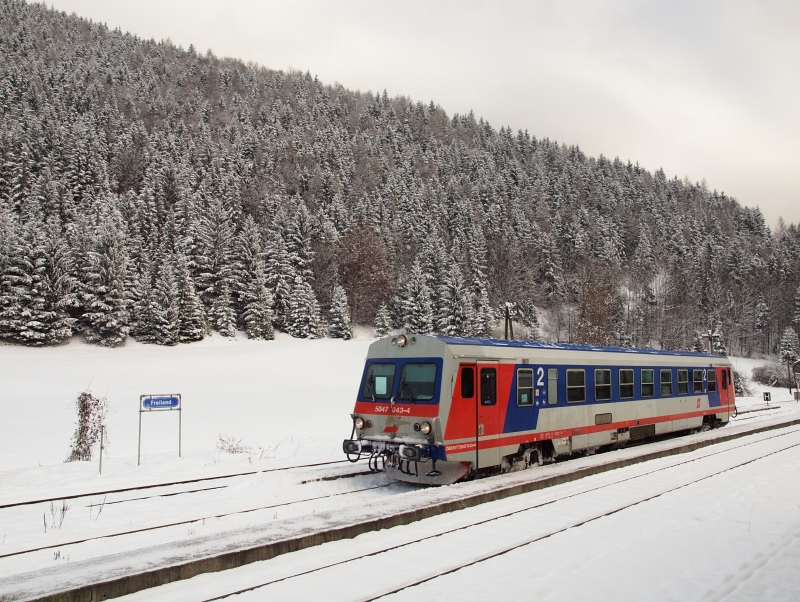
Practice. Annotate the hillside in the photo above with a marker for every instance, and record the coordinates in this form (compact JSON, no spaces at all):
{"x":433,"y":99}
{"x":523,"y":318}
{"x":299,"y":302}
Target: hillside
{"x":150,"y":191}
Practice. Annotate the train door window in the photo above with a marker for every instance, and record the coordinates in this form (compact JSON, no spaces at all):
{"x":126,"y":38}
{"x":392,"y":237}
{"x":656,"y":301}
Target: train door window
{"x":488,"y":386}
{"x":724,"y":379}
{"x":602,"y":384}
{"x":712,"y":380}
{"x":697,"y":379}
{"x":625,"y":384}
{"x":379,"y":383}
{"x":666,"y":383}
{"x":648,"y":385}
{"x":576,"y":386}
{"x":525,"y":387}
{"x":683,"y":382}
{"x":467,"y":383}
{"x":417,"y":382}
{"x":552,"y":386}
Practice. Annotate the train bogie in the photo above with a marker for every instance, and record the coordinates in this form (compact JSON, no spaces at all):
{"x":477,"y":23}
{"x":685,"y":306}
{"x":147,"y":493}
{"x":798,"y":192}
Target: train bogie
{"x":435,"y":409}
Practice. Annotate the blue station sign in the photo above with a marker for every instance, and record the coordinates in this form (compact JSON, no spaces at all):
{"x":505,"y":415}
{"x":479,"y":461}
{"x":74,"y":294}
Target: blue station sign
{"x":161,"y":402}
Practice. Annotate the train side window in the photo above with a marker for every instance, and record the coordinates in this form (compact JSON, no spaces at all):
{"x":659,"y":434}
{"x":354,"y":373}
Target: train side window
{"x":625,"y":384}
{"x":467,"y":383}
{"x":488,"y":386}
{"x":698,"y":381}
{"x":648,"y":385}
{"x":666,"y":383}
{"x":525,"y":387}
{"x":576,"y":386}
{"x":602,"y":384}
{"x":712,"y":380}
{"x":552,"y":386}
{"x":379,"y":382}
{"x":683,"y":382}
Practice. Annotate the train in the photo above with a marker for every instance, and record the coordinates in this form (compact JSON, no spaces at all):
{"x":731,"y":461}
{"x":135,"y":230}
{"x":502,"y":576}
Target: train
{"x":435,"y":409}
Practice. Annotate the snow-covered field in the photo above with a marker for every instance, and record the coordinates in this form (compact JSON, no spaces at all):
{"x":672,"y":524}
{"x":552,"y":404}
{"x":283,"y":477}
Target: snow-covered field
{"x":288,"y":403}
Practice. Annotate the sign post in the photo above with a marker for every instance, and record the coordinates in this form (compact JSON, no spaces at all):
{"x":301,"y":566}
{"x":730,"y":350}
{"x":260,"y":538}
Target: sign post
{"x":157,"y":403}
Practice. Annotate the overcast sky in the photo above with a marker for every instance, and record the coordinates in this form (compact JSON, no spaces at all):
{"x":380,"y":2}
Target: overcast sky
{"x":706,"y":90}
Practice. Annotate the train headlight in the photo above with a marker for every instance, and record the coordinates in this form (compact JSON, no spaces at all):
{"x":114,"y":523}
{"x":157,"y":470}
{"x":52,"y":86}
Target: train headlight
{"x":425,"y":428}
{"x":359,"y":422}
{"x":402,"y":340}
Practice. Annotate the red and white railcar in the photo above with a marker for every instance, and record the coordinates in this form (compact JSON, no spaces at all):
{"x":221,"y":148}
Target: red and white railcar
{"x":434,"y":409}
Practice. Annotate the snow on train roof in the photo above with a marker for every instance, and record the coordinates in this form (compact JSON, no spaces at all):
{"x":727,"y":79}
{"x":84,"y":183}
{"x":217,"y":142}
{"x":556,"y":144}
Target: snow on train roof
{"x":450,"y":340}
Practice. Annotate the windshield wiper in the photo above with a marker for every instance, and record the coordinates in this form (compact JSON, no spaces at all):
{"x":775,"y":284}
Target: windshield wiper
{"x":371,"y":383}
{"x":404,"y":387}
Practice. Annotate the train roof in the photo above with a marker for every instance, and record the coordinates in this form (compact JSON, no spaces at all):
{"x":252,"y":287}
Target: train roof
{"x":480,"y":342}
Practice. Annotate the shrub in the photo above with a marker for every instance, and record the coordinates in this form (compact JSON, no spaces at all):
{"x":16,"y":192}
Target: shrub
{"x":772,"y":375}
{"x":91,"y":416}
{"x":740,"y":380}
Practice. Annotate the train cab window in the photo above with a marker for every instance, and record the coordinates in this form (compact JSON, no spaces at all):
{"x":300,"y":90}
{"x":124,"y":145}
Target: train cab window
{"x":602,"y":384}
{"x":683,"y":382}
{"x":724,"y":380}
{"x":648,"y":385}
{"x":712,"y":381}
{"x":666,"y":383}
{"x":488,"y":386}
{"x":697,"y":379}
{"x":525,"y":387}
{"x":417,"y":382}
{"x":576,"y":386}
{"x":379,"y":383}
{"x":625,"y":384}
{"x":467,"y":383}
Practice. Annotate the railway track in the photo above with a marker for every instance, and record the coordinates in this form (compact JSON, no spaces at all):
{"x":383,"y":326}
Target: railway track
{"x":423,"y":500}
{"x":165,"y":485}
{"x":429,"y":576}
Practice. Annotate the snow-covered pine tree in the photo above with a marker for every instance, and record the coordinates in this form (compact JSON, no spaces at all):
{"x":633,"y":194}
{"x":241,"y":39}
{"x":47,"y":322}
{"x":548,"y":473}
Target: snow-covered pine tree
{"x":303,"y":320}
{"x":253,"y":298}
{"x":144,"y":319}
{"x":718,"y":342}
{"x":789,"y":352}
{"x":455,"y":316}
{"x":383,"y":321}
{"x":339,"y":326}
{"x":52,"y":287}
{"x":697,"y":343}
{"x":105,"y":298}
{"x":193,"y":326}
{"x":417,"y":311}
{"x":214,"y":280}
{"x":298,"y":240}
{"x":280,"y":274}
{"x":15,"y":276}
{"x":165,"y":304}
{"x":796,"y":315}
{"x":257,"y":315}
{"x":529,"y":316}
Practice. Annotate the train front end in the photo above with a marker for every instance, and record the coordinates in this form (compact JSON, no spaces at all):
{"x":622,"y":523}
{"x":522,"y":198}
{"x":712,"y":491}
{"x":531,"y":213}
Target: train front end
{"x":400,"y":411}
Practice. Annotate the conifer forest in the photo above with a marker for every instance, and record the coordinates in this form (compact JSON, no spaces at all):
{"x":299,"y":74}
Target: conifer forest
{"x":153,"y":192}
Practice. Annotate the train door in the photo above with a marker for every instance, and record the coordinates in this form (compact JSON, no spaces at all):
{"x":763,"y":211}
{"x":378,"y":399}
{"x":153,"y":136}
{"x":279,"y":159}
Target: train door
{"x":487,"y":434}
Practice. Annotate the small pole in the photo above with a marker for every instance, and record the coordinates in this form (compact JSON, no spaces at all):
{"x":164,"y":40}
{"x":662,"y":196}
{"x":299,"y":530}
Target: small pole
{"x":139,"y":453}
{"x":180,"y":424}
{"x":102,"y":431}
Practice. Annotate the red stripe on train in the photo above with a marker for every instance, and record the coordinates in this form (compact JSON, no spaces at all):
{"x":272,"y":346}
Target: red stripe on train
{"x":512,"y":439}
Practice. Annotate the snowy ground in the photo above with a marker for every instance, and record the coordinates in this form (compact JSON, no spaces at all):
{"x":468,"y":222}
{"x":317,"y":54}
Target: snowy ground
{"x":700,"y":526}
{"x":288,"y":401}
